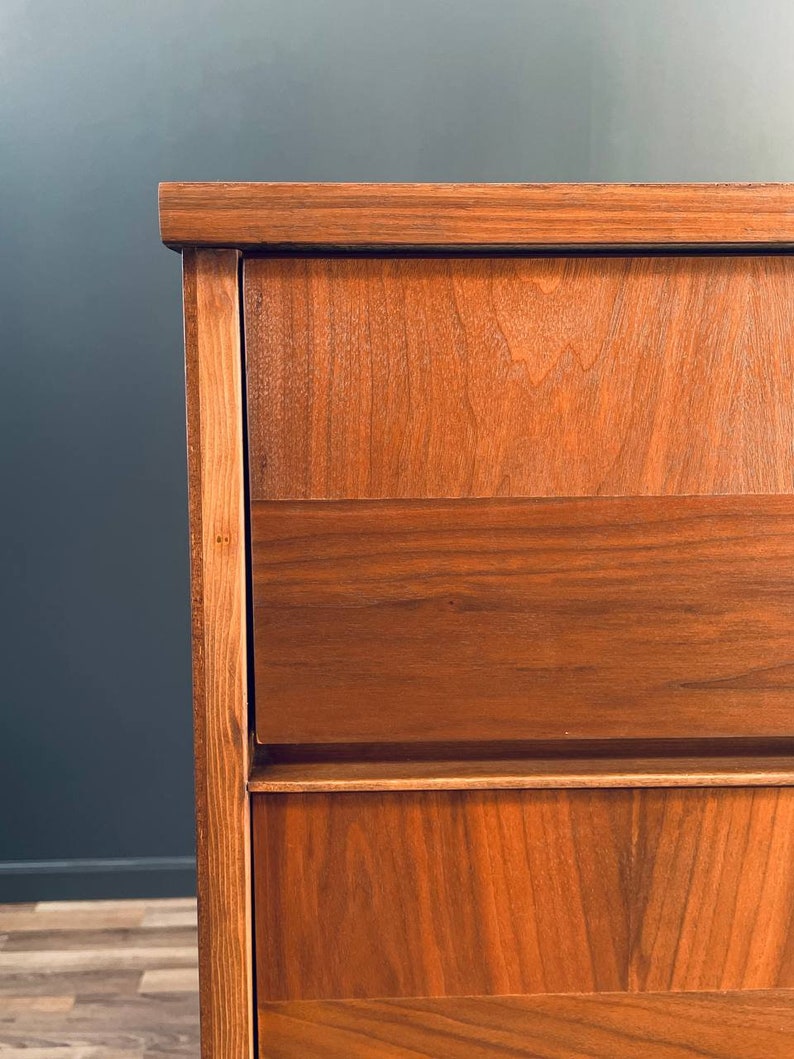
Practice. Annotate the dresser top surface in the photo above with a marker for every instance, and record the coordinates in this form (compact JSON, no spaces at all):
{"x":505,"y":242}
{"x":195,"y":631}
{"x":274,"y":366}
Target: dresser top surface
{"x":313,"y":216}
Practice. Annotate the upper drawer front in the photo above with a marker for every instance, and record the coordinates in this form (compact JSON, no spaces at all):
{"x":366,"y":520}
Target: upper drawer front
{"x":429,"y":382}
{"x":462,"y":377}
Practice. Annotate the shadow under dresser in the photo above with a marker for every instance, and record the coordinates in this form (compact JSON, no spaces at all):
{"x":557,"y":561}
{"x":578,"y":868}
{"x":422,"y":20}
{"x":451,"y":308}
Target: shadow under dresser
{"x":492,"y":538}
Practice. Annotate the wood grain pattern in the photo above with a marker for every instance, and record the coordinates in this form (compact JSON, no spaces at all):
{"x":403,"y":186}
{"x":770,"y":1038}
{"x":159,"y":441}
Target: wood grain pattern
{"x":646,"y":617}
{"x":526,"y":773}
{"x":362,"y":895}
{"x":456,"y":893}
{"x":457,"y":377}
{"x":215,"y":465}
{"x":646,"y":405}
{"x":480,"y":215}
{"x":713,"y":890}
{"x":695,"y":1026}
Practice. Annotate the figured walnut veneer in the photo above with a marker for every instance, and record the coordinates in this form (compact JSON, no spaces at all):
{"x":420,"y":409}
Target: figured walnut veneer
{"x":491,"y":497}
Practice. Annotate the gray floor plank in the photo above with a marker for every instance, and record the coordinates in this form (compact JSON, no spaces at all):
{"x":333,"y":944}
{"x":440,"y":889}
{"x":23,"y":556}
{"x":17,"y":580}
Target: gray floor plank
{"x":42,"y":940}
{"x":99,"y":980}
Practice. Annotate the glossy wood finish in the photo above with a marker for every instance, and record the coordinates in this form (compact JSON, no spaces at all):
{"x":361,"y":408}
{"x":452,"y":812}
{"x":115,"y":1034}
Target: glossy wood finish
{"x":476,"y":215}
{"x":449,"y":675}
{"x":440,"y":893}
{"x":464,"y":377}
{"x":613,"y":1026}
{"x":645,"y":617}
{"x":713,"y":890}
{"x":218,"y":586}
{"x":520,"y":892}
{"x":524,"y":773}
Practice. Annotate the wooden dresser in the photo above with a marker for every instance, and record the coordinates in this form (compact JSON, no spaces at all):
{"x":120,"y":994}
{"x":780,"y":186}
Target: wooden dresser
{"x":492,"y":536}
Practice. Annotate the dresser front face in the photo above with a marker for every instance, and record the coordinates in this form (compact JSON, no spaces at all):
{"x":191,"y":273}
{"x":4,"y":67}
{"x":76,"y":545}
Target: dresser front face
{"x":501,"y":499}
{"x":513,"y":541}
{"x":502,"y":502}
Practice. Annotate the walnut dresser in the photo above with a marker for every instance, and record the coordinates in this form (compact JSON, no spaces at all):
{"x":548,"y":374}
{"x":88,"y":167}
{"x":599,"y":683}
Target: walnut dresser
{"x":492,"y":533}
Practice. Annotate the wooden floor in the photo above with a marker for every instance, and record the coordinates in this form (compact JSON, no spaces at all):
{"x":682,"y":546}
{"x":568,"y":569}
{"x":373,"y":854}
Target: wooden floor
{"x":98,"y":980}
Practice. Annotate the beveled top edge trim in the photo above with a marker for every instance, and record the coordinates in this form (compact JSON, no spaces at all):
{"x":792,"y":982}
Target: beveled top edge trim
{"x":299,"y":216}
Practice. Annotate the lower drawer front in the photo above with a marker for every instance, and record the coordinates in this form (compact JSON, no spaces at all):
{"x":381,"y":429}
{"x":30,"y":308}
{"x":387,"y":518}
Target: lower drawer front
{"x":758,"y":1025}
{"x":488,"y":893}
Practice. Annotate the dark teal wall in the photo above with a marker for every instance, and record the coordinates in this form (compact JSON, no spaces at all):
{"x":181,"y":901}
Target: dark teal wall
{"x":100,"y":100}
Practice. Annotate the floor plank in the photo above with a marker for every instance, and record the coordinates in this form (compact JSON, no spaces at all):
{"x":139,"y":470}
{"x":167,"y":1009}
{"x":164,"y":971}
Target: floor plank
{"x":99,"y":980}
{"x":79,"y":1052}
{"x":40,"y":1005}
{"x":143,"y":904}
{"x":77,"y":919}
{"x":170,"y":980}
{"x":44,"y":940}
{"x":161,"y":918}
{"x":88,"y":983}
{"x":97,"y":959}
